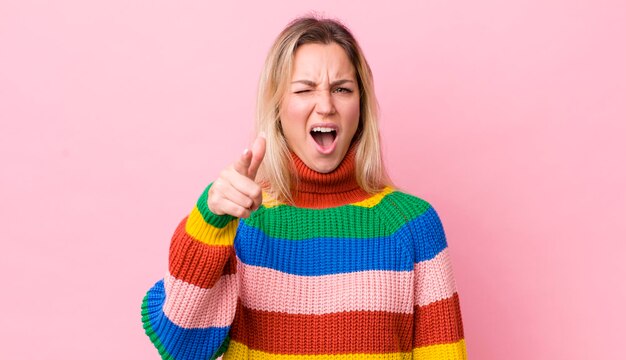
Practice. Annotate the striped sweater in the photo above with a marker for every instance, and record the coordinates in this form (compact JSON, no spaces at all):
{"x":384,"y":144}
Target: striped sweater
{"x":341,"y":274}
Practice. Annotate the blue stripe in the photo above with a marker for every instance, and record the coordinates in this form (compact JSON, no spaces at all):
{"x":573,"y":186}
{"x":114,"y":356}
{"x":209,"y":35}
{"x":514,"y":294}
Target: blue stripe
{"x":181,"y":343}
{"x":329,"y":255}
{"x":429,"y":234}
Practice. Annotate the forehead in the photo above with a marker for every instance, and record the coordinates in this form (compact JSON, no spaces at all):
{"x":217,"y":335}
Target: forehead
{"x":322,"y":60}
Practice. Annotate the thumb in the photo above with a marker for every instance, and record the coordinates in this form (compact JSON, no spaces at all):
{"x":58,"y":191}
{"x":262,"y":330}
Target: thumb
{"x":241,"y":166}
{"x":258,"y":153}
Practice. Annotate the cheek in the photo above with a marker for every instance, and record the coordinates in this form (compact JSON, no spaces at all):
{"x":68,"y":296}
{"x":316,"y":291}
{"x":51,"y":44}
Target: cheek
{"x":297,"y":109}
{"x":294,"y":115}
{"x":293,"y":118}
{"x":352,"y":113}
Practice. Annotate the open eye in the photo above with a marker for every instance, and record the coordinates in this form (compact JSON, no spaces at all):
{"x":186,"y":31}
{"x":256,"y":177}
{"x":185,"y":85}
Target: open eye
{"x":342,"y":90}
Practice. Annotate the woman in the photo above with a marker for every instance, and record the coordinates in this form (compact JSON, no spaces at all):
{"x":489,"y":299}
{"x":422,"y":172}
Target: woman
{"x":318,"y":254}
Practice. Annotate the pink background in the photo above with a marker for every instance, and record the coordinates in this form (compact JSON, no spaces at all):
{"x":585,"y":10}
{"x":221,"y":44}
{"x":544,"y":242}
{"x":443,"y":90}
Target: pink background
{"x":508,"y":116}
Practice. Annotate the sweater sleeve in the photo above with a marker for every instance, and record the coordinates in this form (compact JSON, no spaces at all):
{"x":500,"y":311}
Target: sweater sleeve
{"x":438,"y":327}
{"x":187,"y":314}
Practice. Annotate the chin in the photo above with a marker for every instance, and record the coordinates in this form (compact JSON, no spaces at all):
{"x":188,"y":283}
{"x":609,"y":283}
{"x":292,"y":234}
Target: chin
{"x":325,"y":170}
{"x":325,"y":166}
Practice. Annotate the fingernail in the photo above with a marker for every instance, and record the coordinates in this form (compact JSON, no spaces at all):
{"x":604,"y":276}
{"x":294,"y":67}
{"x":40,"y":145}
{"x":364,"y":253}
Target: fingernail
{"x":245,"y":151}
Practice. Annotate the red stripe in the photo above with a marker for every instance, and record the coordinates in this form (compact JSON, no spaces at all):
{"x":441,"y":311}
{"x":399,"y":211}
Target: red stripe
{"x":338,"y":333}
{"x":438,"y":323}
{"x":198,"y":263}
{"x":348,"y":332}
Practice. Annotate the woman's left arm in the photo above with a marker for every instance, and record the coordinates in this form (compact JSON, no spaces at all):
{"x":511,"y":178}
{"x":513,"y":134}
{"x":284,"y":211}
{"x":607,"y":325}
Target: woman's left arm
{"x":437,"y":324}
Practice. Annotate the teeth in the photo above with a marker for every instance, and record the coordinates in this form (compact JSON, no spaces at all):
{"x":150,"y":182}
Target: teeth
{"x":322,"y":129}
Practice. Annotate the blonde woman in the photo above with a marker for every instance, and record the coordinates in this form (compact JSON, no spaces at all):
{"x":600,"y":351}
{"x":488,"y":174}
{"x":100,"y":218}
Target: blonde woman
{"x":303,"y":246}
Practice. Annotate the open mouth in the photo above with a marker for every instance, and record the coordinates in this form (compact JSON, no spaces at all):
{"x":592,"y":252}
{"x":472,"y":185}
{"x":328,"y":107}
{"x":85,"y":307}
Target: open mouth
{"x":324,"y":136}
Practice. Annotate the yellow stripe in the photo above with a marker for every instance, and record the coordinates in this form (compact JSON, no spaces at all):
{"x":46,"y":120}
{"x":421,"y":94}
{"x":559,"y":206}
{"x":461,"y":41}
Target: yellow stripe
{"x":454,"y":351}
{"x":374,"y":200}
{"x":238,"y":351}
{"x":270,"y":202}
{"x":206,"y":233}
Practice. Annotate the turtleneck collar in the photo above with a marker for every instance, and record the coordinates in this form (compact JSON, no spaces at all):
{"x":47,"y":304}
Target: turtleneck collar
{"x":323,"y":190}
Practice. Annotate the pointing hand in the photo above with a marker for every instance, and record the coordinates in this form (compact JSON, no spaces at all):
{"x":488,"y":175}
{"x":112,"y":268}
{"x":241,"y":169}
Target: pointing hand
{"x":235,"y":192}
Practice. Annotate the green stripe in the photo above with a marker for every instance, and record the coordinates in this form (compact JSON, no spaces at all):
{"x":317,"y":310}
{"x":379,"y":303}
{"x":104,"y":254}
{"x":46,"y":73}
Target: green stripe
{"x":222,"y":349}
{"x":145,"y":318}
{"x":219,"y":221}
{"x":348,"y":221}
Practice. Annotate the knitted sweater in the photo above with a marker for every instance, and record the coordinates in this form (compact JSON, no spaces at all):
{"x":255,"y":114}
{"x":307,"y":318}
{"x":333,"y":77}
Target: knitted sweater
{"x":340,"y":275}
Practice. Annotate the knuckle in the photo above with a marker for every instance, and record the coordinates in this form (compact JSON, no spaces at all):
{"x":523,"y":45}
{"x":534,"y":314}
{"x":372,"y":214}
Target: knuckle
{"x":240,"y":213}
{"x":257,"y":193}
{"x":214,"y":206}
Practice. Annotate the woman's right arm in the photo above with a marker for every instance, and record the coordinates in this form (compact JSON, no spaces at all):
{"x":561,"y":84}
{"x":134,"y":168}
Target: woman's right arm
{"x":188,"y":314}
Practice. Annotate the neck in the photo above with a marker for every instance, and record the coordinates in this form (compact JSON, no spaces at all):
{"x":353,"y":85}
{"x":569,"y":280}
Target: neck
{"x":321,"y":190}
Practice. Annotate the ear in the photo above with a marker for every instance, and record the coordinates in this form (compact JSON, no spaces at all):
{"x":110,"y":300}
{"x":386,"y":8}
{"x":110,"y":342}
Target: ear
{"x":279,"y":126}
{"x":359,"y":130}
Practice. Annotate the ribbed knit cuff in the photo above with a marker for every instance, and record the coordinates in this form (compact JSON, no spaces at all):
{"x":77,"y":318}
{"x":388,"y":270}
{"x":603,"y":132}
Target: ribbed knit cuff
{"x":219,"y":221}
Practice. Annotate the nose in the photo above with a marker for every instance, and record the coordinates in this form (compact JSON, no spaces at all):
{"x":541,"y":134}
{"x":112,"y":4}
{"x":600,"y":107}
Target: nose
{"x":325,"y":105}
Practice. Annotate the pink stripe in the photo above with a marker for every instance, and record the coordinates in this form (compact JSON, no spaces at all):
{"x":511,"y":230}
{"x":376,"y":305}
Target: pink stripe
{"x":190,"y":306}
{"x":271,"y":290}
{"x":434,"y":279}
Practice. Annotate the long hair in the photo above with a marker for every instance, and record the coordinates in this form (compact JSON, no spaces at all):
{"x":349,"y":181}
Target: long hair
{"x":276,"y":171}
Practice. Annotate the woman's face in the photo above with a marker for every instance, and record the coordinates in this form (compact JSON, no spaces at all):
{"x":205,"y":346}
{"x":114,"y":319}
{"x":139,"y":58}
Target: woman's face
{"x":319,"y":112}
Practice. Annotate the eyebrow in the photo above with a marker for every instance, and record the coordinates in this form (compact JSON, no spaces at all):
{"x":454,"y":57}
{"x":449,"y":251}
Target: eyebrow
{"x":313,"y":84}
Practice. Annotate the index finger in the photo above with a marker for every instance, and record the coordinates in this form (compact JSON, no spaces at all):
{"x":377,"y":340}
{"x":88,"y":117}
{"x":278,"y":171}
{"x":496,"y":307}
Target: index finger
{"x":258,"y":153}
{"x":241,"y":166}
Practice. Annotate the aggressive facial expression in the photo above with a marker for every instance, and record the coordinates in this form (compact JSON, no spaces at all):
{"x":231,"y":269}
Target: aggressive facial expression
{"x":320,"y":110}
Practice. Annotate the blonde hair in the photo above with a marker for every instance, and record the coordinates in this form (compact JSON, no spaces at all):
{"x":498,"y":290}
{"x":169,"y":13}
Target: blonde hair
{"x":277,"y":170}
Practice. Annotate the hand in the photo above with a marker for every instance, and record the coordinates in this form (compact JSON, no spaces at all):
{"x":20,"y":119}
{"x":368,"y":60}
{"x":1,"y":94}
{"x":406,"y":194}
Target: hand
{"x":235,"y":192}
